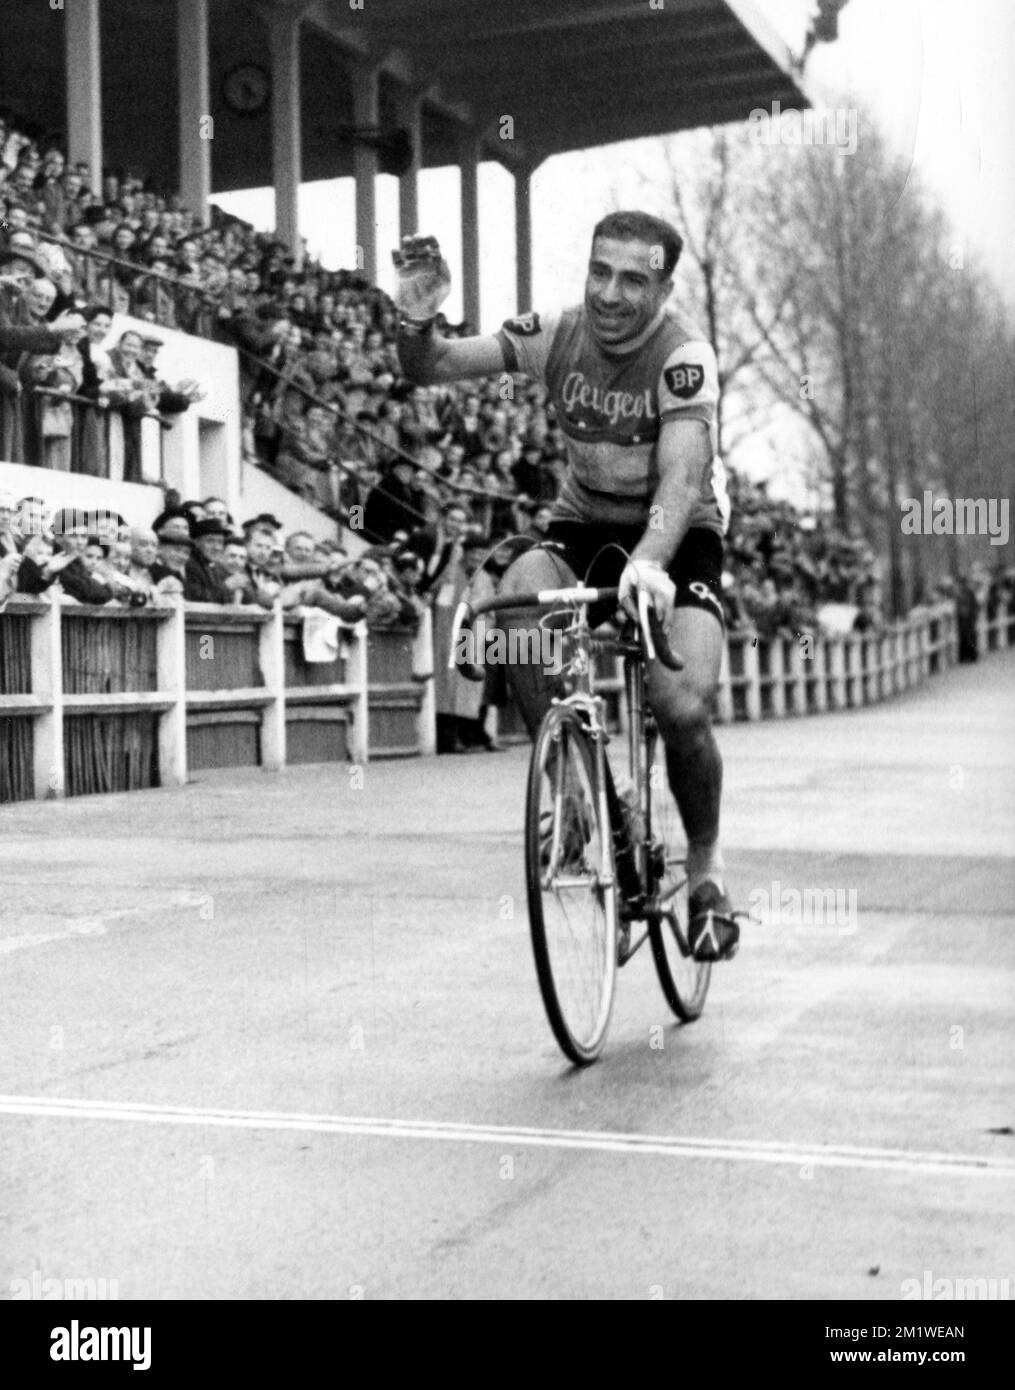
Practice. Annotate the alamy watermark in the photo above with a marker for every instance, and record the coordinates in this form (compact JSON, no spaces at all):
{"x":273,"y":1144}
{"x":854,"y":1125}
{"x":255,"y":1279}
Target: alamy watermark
{"x":776,"y":906}
{"x":961,"y":1290}
{"x":837,"y":126}
{"x":956,"y":516}
{"x":516,"y":646}
{"x":38,"y":1287}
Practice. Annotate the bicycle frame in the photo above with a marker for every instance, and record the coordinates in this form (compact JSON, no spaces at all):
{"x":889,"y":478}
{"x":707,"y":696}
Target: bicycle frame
{"x":639,"y":728}
{"x":624,"y":880}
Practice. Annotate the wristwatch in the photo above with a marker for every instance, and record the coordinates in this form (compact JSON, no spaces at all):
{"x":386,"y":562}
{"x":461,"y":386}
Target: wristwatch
{"x":408,"y":325}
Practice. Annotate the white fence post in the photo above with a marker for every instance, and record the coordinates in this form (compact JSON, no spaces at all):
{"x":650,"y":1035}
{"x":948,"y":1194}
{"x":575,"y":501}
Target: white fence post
{"x":819,"y":656}
{"x":752,"y":678}
{"x":884,"y":649}
{"x":171,"y":665}
{"x":356,"y":675}
{"x":837,"y":673}
{"x":115,"y":447}
{"x":423,"y":672}
{"x":48,"y":775}
{"x":923,"y":636}
{"x":271,"y":654}
{"x":777,"y":677}
{"x":797,"y":672}
{"x":150,"y":433}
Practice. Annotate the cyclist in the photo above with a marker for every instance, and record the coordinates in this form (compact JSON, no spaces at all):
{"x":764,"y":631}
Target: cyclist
{"x":634,"y":385}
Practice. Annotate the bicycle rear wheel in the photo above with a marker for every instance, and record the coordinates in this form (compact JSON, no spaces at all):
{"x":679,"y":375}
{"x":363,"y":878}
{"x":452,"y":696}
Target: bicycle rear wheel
{"x":684,"y":980}
{"x":571,"y":890}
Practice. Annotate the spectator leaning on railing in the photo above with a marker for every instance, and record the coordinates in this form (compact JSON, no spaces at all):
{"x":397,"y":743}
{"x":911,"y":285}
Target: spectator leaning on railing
{"x":331,"y":334}
{"x":22,"y":331}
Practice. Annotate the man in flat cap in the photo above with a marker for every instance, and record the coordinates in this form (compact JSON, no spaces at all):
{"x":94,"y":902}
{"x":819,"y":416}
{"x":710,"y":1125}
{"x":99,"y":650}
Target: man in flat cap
{"x":171,"y":401}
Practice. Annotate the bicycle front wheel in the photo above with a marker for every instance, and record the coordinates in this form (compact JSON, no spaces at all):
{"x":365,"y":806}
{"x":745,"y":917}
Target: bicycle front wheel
{"x":684,"y":980}
{"x":571,"y":890}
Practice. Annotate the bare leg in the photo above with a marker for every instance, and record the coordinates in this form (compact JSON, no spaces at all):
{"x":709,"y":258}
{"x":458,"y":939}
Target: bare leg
{"x":681,"y":702}
{"x":532,"y":686}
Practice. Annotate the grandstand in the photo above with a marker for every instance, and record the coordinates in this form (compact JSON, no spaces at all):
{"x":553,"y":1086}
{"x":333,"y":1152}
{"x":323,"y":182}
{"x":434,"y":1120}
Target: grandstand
{"x":218,"y":363}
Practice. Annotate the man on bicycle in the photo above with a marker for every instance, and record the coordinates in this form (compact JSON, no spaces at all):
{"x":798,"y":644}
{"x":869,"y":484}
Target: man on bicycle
{"x":634,"y":385}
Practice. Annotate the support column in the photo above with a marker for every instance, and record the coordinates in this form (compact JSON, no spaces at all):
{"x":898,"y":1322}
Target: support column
{"x":410,"y":115}
{"x":286,"y":129}
{"x":366,"y":114}
{"x":523,"y":238}
{"x":468,"y":164}
{"x":83,"y":53}
{"x":195,"y":105}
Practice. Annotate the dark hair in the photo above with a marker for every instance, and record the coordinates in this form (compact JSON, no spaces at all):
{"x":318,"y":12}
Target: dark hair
{"x":642,"y":226}
{"x":92,"y":311}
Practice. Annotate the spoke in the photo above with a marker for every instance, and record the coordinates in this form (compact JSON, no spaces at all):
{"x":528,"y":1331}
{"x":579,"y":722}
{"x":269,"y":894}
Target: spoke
{"x":574,"y":914}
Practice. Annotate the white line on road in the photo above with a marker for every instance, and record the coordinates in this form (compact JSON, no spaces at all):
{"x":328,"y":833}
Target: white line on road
{"x":95,"y":923}
{"x":449,"y":1132}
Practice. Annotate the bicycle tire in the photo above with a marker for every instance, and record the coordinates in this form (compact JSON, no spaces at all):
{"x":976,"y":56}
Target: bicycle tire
{"x":683,"y":979}
{"x":563,"y":766}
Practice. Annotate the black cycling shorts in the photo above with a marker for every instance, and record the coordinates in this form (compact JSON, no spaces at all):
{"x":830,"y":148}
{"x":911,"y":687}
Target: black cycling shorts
{"x":597,"y":553}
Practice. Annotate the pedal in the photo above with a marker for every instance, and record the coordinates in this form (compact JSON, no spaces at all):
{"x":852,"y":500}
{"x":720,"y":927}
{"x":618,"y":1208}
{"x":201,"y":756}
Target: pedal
{"x":705,"y":946}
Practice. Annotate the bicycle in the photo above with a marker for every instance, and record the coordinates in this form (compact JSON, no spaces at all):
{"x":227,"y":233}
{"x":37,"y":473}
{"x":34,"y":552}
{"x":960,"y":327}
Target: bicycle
{"x":612,"y":859}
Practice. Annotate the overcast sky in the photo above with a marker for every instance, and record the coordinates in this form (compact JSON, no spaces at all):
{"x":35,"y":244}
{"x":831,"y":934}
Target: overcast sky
{"x":938,"y":74}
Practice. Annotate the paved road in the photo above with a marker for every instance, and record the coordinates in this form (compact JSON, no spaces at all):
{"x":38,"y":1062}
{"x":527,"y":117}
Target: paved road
{"x":279,"y":1036}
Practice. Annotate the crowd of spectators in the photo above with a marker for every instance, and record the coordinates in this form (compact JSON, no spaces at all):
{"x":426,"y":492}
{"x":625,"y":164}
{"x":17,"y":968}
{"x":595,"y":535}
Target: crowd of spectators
{"x":326,"y":410}
{"x":195,"y":552}
{"x":784,"y":567}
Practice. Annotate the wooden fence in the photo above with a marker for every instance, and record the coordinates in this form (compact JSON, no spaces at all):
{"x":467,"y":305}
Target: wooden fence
{"x":114,"y":699}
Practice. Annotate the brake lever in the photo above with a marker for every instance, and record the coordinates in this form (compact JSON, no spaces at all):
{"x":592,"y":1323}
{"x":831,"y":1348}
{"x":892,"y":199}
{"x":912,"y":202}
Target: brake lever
{"x":657,"y":644}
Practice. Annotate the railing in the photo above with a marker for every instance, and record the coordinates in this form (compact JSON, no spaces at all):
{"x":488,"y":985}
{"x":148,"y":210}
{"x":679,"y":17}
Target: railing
{"x":776,"y":677}
{"x":129,"y":288}
{"x":116,"y":699}
{"x":111,"y":452}
{"x":770,"y":678}
{"x":173,"y":302}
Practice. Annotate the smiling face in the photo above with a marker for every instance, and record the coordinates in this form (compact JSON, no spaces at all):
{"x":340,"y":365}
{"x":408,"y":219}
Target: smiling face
{"x":624,"y":290}
{"x":300,"y":549}
{"x":144,"y":547}
{"x":130,"y":347}
{"x":211,"y":547}
{"x":99,"y":327}
{"x":119,"y":556}
{"x":39,"y":296}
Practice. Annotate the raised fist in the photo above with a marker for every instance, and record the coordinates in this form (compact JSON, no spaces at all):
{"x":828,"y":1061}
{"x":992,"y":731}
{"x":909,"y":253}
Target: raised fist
{"x":424,"y":280}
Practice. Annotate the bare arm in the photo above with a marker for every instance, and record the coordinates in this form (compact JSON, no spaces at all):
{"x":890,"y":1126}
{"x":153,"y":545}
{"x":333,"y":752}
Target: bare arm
{"x":429,"y":359}
{"x":684,"y":455}
{"x":424,"y":282}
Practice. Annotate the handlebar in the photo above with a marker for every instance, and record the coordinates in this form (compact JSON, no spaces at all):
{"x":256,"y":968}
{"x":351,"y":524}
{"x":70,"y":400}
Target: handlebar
{"x":654,"y":644}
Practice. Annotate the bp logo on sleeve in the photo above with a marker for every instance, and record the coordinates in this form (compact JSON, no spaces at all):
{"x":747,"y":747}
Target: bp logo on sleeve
{"x":686,"y":380}
{"x":525,"y":325}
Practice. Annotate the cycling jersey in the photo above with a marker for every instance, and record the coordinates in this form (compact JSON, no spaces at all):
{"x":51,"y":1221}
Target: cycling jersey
{"x":611,"y":403}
